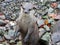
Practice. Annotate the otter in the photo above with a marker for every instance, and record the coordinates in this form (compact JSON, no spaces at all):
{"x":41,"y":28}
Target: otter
{"x":26,"y":24}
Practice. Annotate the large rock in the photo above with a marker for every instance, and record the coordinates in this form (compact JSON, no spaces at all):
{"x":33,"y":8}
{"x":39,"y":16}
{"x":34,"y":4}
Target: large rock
{"x":56,"y":37}
{"x":56,"y":32}
{"x":56,"y":27}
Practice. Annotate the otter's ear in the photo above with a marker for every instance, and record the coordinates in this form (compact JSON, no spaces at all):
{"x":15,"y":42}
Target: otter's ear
{"x":34,"y":6}
{"x":21,"y":5}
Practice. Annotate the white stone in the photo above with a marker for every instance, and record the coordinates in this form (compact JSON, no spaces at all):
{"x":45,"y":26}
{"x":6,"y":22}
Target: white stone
{"x":46,"y":37}
{"x":53,"y":0}
{"x":41,"y":31}
{"x":50,"y":10}
{"x":1,"y":44}
{"x":40,"y":22}
{"x":59,"y":6}
{"x":46,"y":27}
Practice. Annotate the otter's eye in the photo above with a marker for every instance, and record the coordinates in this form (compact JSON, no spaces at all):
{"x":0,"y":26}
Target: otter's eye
{"x":29,"y":9}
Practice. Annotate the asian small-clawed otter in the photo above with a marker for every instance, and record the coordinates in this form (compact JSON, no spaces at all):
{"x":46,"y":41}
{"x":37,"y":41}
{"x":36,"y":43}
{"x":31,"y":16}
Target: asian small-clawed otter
{"x":26,"y":24}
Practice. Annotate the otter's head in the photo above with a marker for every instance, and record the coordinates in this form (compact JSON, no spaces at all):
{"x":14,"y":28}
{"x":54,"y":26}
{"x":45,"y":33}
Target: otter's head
{"x":28,"y":8}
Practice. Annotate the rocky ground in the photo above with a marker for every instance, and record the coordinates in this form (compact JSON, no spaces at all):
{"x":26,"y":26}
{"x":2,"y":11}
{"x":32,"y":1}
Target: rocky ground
{"x":47,"y":14}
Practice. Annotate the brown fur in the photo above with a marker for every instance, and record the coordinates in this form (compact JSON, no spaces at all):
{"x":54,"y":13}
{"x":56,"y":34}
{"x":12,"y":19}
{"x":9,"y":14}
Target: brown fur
{"x":28,"y":28}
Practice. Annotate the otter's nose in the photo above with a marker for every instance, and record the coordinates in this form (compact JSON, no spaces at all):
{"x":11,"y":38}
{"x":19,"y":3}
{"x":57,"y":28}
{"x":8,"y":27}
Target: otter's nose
{"x":26,"y":12}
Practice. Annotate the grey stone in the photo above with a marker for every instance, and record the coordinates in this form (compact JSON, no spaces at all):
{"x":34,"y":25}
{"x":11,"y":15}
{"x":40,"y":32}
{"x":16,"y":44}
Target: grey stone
{"x":59,"y":6}
{"x":2,"y":23}
{"x":56,"y":37}
{"x":56,"y":27}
